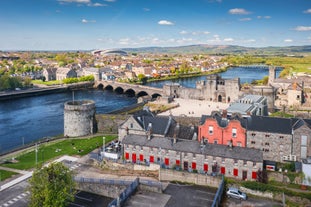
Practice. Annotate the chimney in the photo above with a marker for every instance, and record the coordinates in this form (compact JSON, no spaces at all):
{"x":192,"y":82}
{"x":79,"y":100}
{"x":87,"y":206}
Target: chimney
{"x":149,"y":131}
{"x":224,"y":114}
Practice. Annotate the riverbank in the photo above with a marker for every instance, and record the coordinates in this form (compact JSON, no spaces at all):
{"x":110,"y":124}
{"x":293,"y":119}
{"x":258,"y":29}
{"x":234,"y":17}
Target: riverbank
{"x":36,"y":91}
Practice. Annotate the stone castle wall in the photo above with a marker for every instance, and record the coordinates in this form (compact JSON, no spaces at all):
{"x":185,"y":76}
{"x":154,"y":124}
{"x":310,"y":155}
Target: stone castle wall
{"x":79,"y":118}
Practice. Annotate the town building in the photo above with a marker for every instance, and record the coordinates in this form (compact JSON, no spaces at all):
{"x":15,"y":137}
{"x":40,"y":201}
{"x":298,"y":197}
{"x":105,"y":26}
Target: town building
{"x":238,"y":162}
{"x":63,"y":73}
{"x":49,"y":73}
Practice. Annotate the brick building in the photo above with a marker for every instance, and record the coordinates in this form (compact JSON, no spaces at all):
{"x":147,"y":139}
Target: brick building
{"x":219,"y":129}
{"x":238,"y":162}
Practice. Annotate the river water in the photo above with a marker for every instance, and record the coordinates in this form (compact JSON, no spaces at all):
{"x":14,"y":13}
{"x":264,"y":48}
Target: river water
{"x":25,"y":120}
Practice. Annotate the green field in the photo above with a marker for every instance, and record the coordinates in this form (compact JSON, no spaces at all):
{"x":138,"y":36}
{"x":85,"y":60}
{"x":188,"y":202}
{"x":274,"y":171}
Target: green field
{"x":48,"y":151}
{"x":6,"y":174}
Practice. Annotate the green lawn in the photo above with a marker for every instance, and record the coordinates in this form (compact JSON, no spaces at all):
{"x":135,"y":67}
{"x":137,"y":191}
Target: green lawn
{"x":48,"y":83}
{"x":49,"y":151}
{"x":6,"y":174}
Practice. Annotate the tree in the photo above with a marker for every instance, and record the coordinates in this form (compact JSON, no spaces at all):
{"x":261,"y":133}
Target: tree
{"x":52,"y":186}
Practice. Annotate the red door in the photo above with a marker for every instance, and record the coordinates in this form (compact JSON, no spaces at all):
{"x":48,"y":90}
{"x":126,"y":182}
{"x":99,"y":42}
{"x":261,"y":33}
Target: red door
{"x":177,"y":162}
{"x":254,"y":175}
{"x":205,"y":167}
{"x":151,"y":159}
{"x":166,"y":161}
{"x":141,"y":158}
{"x":127,"y":155}
{"x":134,"y":157}
{"x":235,"y":172}
{"x":194,"y":165}
{"x":223,"y":170}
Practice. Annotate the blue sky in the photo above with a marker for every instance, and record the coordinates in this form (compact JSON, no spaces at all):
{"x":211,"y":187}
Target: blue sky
{"x":104,"y":24}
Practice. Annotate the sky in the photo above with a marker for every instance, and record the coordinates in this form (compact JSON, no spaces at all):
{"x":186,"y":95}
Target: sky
{"x":112,"y":24}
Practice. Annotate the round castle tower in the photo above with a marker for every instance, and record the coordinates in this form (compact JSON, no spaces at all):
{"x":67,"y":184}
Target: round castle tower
{"x":79,"y":118}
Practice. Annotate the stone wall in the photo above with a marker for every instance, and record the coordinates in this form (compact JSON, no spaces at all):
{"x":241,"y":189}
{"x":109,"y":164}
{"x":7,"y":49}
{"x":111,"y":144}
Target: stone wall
{"x":79,"y":118}
{"x":273,"y":145}
{"x":108,"y":123}
{"x":111,"y":191}
{"x":198,"y":179}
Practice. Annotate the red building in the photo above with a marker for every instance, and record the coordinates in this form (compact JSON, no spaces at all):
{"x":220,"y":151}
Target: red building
{"x":217,"y":129}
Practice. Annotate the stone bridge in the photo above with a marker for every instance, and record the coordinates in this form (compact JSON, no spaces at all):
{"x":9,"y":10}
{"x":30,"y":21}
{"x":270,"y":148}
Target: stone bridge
{"x":130,"y":89}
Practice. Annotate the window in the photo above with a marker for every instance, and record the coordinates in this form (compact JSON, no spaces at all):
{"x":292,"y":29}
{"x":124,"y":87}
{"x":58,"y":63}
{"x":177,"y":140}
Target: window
{"x":239,"y":144}
{"x":223,"y":160}
{"x":254,"y":164}
{"x":233,"y":132}
{"x":281,"y":137}
{"x":210,"y":129}
{"x":215,"y":141}
{"x":267,"y":135}
{"x":131,"y":125}
{"x":235,"y":162}
{"x":253,"y":142}
{"x":253,"y":134}
{"x":244,"y":162}
{"x":267,"y":144}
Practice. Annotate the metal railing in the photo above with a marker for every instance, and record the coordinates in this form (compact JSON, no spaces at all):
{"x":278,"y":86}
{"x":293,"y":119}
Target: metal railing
{"x":218,"y":196}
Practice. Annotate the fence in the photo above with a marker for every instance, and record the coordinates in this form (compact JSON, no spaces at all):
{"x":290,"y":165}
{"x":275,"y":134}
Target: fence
{"x":218,"y":196}
{"x":125,"y":194}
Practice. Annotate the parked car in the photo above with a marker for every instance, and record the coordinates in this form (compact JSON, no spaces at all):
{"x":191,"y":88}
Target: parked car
{"x":236,"y":193}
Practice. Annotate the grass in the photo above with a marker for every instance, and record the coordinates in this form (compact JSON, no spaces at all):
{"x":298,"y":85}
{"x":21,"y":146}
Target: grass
{"x":48,"y":151}
{"x":6,"y":174}
{"x":48,"y":83}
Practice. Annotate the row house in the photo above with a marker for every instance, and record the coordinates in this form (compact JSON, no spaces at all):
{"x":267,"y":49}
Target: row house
{"x":63,"y":73}
{"x":238,"y":162}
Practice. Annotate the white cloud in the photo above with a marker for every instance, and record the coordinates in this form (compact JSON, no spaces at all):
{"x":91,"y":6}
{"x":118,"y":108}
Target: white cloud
{"x":288,"y":40}
{"x":228,"y":39}
{"x":263,"y":17}
{"x":87,"y":21}
{"x":146,"y":9}
{"x":238,"y":11}
{"x":206,"y":32}
{"x":124,"y":41}
{"x":183,"y":32}
{"x":97,"y":4}
{"x":245,"y":19}
{"x":75,"y":1}
{"x":250,"y":41}
{"x":302,"y":28}
{"x":308,"y":11}
{"x":110,"y":0}
{"x":165,"y":22}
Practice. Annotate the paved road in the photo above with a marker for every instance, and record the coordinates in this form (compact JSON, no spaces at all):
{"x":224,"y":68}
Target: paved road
{"x":250,"y":202}
{"x":15,"y":196}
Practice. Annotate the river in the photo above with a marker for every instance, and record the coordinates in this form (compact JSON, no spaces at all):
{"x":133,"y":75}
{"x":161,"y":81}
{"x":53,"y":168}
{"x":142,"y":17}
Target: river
{"x":25,"y":120}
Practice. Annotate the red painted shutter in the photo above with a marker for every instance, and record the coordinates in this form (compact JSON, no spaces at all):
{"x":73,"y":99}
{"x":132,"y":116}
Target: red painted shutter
{"x":205,"y":167}
{"x":127,"y":155}
{"x":141,"y":158}
{"x":178,"y":162}
{"x":223,"y":170}
{"x":235,"y":172}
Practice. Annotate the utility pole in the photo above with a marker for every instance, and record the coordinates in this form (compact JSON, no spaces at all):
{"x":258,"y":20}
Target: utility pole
{"x":36,"y":154}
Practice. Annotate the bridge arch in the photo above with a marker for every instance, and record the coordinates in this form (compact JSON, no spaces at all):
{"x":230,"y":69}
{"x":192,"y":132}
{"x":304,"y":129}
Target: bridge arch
{"x":130,"y":92}
{"x":142,"y":93}
{"x":100,"y":86}
{"x":109,"y":88}
{"x":155,"y":95}
{"x":119,"y":90}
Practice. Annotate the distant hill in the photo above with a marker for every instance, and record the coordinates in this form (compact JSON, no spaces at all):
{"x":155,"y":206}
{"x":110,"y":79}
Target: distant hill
{"x":224,"y":49}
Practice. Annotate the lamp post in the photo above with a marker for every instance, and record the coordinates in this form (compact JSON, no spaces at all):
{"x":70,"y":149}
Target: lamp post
{"x":104,"y":140}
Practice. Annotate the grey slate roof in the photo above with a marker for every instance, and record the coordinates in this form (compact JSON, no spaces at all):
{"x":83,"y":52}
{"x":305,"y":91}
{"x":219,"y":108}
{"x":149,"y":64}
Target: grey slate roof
{"x":269,"y":124}
{"x":239,"y":153}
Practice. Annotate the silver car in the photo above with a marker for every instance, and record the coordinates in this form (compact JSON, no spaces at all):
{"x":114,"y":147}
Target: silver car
{"x":236,"y":193}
